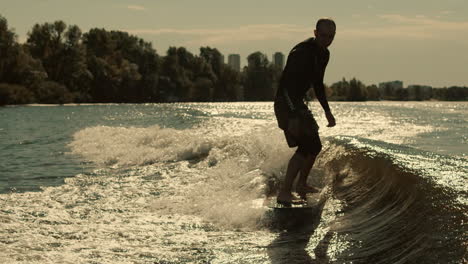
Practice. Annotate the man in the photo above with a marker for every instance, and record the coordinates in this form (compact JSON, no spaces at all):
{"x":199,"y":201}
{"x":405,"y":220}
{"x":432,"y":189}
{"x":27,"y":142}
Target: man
{"x":305,"y":67}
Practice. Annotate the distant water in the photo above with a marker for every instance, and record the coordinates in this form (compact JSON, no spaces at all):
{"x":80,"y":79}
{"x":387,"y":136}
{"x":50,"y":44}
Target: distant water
{"x":185,"y":183}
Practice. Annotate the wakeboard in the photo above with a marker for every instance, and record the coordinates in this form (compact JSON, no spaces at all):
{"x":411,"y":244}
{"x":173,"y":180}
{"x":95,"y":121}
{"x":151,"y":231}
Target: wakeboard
{"x":311,"y":201}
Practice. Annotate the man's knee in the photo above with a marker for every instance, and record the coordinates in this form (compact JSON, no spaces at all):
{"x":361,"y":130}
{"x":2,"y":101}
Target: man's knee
{"x":317,"y":149}
{"x":309,"y":151}
{"x":299,"y":155}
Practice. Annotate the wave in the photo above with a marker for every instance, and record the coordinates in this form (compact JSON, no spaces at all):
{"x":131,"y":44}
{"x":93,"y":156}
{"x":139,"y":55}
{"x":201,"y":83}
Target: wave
{"x":398,"y":204}
{"x":216,"y":175}
{"x":398,"y":207}
{"x":138,"y":146}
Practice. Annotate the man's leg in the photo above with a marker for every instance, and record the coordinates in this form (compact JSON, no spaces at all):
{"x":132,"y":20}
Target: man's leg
{"x":295,"y":165}
{"x":312,"y":148}
{"x":305,"y":170}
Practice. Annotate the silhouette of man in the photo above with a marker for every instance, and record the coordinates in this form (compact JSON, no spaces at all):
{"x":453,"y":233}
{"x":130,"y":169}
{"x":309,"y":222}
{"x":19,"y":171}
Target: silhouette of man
{"x":305,"y":67}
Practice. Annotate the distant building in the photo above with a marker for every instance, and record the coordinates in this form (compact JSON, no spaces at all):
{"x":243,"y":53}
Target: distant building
{"x":278,"y":60}
{"x":234,"y":61}
{"x":222,"y":59}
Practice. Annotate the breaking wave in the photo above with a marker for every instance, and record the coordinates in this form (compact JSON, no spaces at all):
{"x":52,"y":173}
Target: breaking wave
{"x":399,"y":204}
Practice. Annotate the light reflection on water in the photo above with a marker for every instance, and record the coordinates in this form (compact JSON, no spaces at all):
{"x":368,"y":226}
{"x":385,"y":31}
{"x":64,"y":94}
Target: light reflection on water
{"x":164,"y":195}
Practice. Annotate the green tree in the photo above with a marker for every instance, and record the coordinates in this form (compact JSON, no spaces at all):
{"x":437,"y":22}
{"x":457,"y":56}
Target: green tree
{"x":386,"y":91}
{"x":148,"y":62}
{"x":202,"y":90}
{"x":50,"y":92}
{"x":63,"y":56}
{"x":8,"y":48}
{"x":357,"y":91}
{"x":24,"y":69}
{"x":185,"y":77}
{"x":203,"y":80}
{"x":457,"y":93}
{"x":258,"y":78}
{"x":227,"y":82}
{"x":214,"y":58}
{"x":75,"y":74}
{"x":439,"y":93}
{"x":276,"y":72}
{"x":340,"y":90}
{"x":373,"y":92}
{"x":415,"y":92}
{"x":141,"y":84}
{"x":229,"y":85}
{"x":17,"y":66}
{"x":399,"y":94}
{"x":15,"y":94}
{"x":176,"y":84}
{"x":124,"y":67}
{"x":45,"y":42}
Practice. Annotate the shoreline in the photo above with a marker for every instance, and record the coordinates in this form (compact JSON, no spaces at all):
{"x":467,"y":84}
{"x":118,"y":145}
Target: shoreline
{"x":151,"y":103}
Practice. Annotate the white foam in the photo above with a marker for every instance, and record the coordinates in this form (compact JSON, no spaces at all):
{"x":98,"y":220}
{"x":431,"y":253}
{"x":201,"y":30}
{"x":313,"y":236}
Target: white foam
{"x":222,"y":189}
{"x":138,"y":146}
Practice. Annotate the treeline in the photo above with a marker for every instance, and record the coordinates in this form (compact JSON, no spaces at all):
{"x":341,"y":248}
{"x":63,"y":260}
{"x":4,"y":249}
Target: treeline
{"x":61,"y":64}
{"x":355,"y":90}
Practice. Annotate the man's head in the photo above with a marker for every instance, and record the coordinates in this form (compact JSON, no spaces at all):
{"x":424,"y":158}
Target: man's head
{"x":325,"y":32}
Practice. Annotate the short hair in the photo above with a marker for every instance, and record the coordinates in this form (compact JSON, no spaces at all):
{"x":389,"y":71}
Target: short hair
{"x":325,"y":20}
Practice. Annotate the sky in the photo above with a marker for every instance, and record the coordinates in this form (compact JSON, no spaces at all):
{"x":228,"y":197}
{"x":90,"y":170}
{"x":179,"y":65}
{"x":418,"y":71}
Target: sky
{"x":416,"y":41}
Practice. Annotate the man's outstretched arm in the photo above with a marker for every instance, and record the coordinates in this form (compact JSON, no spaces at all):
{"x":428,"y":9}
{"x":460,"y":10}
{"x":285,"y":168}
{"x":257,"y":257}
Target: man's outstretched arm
{"x":319,"y":89}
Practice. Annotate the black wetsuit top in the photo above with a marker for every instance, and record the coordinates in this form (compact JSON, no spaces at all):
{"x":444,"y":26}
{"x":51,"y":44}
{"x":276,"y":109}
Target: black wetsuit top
{"x":305,"y":67}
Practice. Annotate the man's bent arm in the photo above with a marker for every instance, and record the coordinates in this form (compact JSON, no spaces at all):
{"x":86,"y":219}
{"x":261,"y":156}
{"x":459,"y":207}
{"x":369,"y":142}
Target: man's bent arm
{"x":319,"y":90}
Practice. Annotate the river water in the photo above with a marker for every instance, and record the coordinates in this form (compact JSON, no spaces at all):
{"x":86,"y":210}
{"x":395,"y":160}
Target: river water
{"x":186,"y":183}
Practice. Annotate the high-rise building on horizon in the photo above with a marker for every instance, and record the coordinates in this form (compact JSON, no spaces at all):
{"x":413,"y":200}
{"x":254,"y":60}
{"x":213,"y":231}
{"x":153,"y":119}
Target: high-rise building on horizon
{"x":278,"y":59}
{"x":234,"y":61}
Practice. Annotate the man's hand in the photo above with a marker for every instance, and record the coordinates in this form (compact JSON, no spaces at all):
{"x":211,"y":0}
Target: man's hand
{"x":331,"y":119}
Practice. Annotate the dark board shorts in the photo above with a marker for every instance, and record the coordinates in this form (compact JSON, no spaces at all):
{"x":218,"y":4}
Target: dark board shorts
{"x":308,"y":142}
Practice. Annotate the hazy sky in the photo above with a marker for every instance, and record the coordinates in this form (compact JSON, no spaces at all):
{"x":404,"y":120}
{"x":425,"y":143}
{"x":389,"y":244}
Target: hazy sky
{"x":416,"y":41}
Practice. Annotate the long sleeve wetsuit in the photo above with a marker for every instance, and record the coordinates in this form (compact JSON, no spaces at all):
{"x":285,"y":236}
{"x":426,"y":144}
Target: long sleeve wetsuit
{"x":305,"y":67}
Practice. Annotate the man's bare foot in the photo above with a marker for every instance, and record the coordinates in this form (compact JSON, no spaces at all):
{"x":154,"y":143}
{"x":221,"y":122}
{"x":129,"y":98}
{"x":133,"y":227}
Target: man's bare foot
{"x":288,"y":199}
